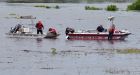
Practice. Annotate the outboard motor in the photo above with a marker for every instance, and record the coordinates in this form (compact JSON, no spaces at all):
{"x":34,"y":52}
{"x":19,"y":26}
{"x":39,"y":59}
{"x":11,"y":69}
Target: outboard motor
{"x":15,"y":29}
{"x":69,"y":30}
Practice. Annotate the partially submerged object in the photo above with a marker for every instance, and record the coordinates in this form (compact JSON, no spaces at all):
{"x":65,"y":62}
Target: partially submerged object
{"x":26,"y":17}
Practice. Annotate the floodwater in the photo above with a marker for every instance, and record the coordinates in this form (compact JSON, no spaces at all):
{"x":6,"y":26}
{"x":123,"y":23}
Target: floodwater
{"x":29,"y":56}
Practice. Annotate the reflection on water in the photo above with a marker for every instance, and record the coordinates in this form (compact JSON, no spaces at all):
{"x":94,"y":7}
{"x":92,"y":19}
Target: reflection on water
{"x":111,"y":41}
{"x":39,"y":42}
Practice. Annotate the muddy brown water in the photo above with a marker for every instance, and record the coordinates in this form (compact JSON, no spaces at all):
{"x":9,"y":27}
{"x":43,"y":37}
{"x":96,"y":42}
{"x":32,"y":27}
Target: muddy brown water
{"x":28,"y":56}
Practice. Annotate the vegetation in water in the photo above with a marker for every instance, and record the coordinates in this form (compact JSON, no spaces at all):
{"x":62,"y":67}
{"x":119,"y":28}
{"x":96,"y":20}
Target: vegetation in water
{"x":45,"y":6}
{"x":25,"y":1}
{"x":92,"y":8}
{"x":57,"y":7}
{"x":134,"y":6}
{"x":41,"y":6}
{"x":111,"y":8}
{"x":12,"y":14}
{"x":129,"y":51}
{"x":122,"y":51}
{"x":53,"y":51}
{"x":117,"y":71}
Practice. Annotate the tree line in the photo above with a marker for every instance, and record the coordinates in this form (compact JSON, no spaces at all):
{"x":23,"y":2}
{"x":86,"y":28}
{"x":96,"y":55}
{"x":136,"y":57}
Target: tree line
{"x":65,"y":1}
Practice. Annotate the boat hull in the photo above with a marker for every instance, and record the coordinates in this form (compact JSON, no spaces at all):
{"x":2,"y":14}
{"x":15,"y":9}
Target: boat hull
{"x":31,"y":35}
{"x":51,"y":35}
{"x":96,"y":36}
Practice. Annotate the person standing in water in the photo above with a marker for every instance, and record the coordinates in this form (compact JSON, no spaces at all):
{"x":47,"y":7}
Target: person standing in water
{"x":39,"y":27}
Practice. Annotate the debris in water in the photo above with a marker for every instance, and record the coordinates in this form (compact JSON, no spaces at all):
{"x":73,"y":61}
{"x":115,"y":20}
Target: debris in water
{"x":118,"y":71}
{"x":78,"y":46}
{"x":47,"y":68}
{"x":12,"y":14}
{"x":26,"y":51}
{"x":53,"y":51}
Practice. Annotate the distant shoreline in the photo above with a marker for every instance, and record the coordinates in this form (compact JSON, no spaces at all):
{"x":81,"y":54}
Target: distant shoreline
{"x":66,"y":1}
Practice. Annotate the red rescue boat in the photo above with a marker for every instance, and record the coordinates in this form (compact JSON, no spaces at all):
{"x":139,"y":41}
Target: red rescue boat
{"x":96,"y":34}
{"x":89,"y":35}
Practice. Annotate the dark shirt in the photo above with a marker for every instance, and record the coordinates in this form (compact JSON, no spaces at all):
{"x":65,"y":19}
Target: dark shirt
{"x":100,"y":29}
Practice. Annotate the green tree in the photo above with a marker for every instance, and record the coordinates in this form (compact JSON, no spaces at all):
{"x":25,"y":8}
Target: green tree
{"x":134,"y":6}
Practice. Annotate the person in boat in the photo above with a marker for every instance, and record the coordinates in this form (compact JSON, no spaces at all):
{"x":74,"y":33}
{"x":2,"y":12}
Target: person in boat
{"x":53,"y":31}
{"x":111,"y":32}
{"x":69,"y":30}
{"x":39,"y":27}
{"x":100,"y":28}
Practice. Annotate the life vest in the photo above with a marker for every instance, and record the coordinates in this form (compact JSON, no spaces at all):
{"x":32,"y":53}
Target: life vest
{"x":111,"y":30}
{"x":52,"y":30}
{"x":39,"y":26}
